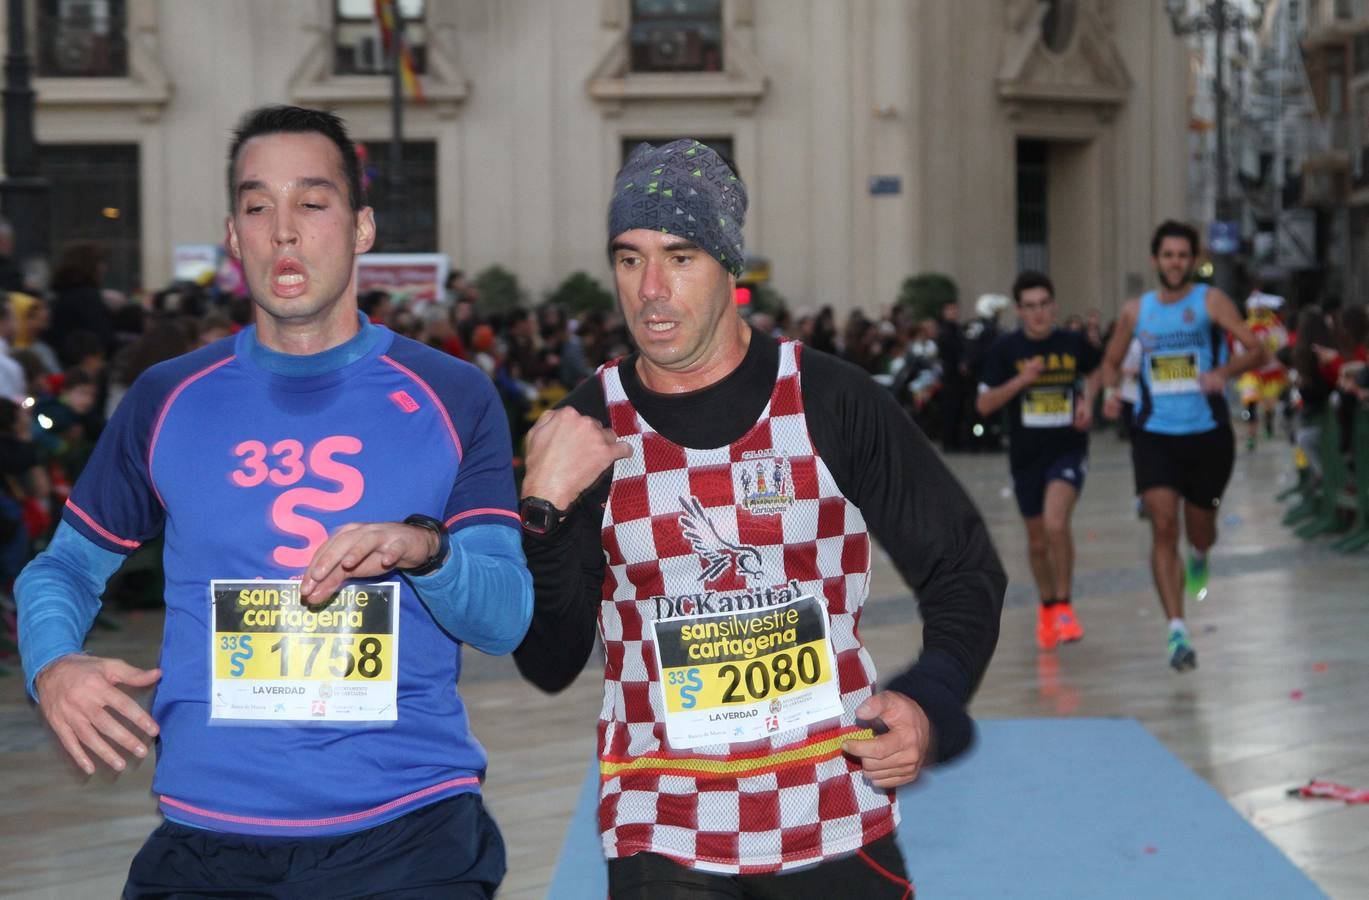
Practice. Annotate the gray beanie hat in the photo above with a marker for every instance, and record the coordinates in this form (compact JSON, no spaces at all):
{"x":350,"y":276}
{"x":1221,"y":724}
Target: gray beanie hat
{"x":683,"y":188}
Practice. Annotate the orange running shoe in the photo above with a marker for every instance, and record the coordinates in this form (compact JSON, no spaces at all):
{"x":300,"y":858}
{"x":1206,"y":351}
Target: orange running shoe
{"x":1067,"y":623}
{"x":1047,"y":632}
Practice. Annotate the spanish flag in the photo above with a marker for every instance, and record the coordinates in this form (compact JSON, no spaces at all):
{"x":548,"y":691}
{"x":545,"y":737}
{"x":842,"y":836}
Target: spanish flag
{"x":385,"y":15}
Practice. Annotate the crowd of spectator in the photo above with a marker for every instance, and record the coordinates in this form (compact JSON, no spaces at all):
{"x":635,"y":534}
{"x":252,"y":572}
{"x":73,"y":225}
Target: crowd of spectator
{"x":1328,"y":365}
{"x":69,"y":352}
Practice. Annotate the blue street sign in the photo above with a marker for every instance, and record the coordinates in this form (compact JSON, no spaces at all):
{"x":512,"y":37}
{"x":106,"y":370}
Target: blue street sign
{"x":1224,"y":237}
{"x":885,"y":184}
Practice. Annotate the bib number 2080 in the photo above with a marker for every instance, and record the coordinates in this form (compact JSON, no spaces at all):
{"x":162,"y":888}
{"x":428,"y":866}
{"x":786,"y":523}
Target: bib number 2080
{"x":756,"y":680}
{"x":303,"y":653}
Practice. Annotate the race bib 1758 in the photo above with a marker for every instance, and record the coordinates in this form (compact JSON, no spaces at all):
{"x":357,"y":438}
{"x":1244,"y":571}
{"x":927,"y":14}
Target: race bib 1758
{"x":274,"y":659}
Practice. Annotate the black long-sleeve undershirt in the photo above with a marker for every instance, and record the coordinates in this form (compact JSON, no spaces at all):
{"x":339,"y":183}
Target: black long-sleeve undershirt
{"x":880,"y":460}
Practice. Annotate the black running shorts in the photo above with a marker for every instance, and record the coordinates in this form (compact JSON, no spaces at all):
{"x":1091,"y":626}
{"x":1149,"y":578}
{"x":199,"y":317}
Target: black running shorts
{"x":1198,"y":466}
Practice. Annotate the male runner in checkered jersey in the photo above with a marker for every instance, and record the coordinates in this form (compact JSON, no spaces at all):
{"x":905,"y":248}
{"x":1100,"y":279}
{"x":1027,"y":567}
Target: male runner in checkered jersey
{"x":709,"y":501}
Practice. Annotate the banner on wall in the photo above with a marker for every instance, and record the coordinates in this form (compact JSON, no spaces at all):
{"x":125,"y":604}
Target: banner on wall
{"x":411,"y":279}
{"x":195,"y":262}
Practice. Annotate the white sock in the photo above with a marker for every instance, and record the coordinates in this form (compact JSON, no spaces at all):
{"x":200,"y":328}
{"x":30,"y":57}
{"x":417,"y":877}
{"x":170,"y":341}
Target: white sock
{"x":1197,"y":554}
{"x":1178,"y":625}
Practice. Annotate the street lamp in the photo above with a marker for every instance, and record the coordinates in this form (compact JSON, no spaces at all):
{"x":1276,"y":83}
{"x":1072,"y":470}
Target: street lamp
{"x":24,"y":192}
{"x":1217,"y":17}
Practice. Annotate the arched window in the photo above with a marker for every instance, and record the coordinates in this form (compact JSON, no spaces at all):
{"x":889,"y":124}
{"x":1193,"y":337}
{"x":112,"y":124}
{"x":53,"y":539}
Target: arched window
{"x":1058,"y":26}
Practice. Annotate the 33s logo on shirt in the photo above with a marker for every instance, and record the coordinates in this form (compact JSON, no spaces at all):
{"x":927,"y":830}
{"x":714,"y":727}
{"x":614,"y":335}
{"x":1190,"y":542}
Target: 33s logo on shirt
{"x":284,"y":463}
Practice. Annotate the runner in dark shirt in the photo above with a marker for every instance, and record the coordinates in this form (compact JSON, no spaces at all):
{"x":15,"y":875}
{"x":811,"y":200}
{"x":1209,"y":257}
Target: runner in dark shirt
{"x":1037,"y":374}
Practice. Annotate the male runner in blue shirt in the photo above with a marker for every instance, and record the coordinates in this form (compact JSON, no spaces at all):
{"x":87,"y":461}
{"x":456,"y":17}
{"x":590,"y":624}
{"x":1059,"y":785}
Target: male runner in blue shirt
{"x":1182,"y":443}
{"x":339,"y":517}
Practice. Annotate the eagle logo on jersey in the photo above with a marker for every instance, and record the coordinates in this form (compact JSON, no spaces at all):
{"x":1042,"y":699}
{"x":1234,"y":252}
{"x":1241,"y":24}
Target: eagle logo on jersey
{"x":719,"y":554}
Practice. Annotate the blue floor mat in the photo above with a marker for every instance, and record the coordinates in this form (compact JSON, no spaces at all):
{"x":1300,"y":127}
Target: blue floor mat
{"x":1058,"y":808}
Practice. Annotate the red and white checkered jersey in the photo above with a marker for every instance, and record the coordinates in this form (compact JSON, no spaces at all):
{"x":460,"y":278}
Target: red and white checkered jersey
{"x":791,"y":799}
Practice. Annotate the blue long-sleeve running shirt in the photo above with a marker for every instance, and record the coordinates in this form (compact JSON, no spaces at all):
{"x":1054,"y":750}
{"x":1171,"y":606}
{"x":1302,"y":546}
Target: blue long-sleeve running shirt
{"x":248,"y":459}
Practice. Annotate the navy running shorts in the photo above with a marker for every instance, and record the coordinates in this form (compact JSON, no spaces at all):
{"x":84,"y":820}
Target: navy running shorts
{"x":449,"y":849}
{"x":1029,"y":482}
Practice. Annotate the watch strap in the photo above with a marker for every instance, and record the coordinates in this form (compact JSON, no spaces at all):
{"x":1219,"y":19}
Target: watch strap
{"x":444,"y":544}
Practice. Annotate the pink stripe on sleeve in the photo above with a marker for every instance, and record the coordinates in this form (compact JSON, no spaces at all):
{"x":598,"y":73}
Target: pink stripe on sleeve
{"x":112,"y":538}
{"x":488,"y":511}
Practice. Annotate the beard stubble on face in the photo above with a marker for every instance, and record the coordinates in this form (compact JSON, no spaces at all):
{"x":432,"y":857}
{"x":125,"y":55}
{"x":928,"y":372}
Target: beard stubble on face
{"x":1185,"y":278}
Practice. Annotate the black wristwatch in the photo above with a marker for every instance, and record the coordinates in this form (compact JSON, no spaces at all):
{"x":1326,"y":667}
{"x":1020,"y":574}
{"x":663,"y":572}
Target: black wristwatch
{"x":444,"y":544}
{"x":540,"y":516}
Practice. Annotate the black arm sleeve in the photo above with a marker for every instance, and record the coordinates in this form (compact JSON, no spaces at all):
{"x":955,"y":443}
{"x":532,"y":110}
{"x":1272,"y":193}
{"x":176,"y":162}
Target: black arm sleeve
{"x":567,"y":577}
{"x":925,"y":521}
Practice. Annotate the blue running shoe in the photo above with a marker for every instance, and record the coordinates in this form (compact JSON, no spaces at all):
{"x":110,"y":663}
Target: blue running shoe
{"x":1182,"y":656}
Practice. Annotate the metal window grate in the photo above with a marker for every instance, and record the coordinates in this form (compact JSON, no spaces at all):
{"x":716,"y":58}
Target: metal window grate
{"x":676,"y":36}
{"x":357,"y":45}
{"x":82,"y":39}
{"x":94,"y":197}
{"x":1033,"y":222}
{"x":413,"y":228}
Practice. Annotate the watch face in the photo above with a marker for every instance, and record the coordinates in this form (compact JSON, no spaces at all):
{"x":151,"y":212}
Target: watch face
{"x":539,"y":516}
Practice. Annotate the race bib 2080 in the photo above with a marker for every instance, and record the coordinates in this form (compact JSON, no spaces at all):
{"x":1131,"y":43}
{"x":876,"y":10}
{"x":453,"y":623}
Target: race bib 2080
{"x":740,"y":676}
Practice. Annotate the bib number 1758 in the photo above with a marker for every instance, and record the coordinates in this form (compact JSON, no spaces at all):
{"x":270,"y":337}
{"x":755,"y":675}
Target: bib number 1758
{"x":300,"y":654}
